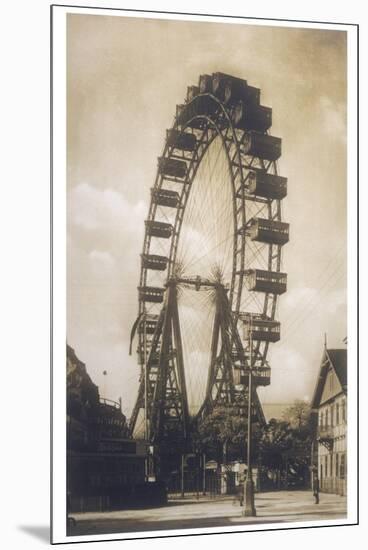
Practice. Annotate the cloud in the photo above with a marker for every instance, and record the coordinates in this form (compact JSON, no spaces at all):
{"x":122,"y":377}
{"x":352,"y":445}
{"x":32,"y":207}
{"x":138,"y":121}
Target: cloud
{"x":93,"y":209}
{"x":102,"y":263}
{"x":106,"y":228}
{"x":336,"y":300}
{"x":333,"y":118}
{"x":292,"y":373}
{"x":302,"y":305}
{"x":106,"y":233}
{"x":102,"y":257}
{"x":296,"y":296}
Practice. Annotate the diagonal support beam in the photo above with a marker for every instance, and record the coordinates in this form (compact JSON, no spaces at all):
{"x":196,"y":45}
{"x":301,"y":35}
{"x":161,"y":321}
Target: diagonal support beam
{"x":170,"y":403}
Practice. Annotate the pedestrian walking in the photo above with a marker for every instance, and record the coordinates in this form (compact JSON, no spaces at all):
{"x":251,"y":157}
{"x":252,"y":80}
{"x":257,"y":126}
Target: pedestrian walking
{"x":316,"y":490}
{"x":238,"y":495}
{"x":240,"y":490}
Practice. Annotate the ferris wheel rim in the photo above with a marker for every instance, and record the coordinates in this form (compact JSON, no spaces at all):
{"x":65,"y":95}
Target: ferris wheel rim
{"x":178,"y":222}
{"x":158,"y":185}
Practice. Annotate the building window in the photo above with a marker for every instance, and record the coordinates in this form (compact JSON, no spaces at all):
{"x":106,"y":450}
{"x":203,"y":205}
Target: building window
{"x":332,"y":415}
{"x":337,"y":414}
{"x":337,"y":465}
{"x":343,"y":414}
{"x":326,"y":466}
{"x":342,"y":466}
{"x":327,"y":419}
{"x":331,"y":465}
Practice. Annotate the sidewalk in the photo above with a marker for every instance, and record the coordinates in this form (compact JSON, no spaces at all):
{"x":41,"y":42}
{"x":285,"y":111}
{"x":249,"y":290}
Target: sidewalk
{"x":190,"y":513}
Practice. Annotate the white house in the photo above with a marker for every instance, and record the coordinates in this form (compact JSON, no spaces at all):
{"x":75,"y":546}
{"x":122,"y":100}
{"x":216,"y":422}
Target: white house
{"x":329,"y":407}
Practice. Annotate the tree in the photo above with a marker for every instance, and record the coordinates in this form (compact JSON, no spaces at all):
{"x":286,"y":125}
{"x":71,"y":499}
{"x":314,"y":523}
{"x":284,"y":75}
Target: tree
{"x":222,"y":434}
{"x":281,"y":448}
{"x":285,"y":445}
{"x":298,"y":414}
{"x":276,"y":438}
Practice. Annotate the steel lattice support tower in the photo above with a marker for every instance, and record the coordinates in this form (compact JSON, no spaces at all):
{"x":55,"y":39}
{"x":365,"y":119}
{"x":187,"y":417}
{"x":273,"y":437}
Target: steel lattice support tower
{"x":170,"y":404}
{"x":166,"y":399}
{"x":229,"y":362}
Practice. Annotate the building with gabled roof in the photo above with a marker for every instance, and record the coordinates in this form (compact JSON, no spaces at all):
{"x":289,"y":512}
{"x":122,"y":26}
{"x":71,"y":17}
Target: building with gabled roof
{"x":330,"y":421}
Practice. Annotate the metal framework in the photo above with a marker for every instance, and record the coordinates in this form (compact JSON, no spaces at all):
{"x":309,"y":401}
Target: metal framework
{"x":226,"y":110}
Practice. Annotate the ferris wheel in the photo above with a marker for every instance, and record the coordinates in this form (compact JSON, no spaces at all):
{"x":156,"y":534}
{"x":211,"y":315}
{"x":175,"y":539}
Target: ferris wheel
{"x":211,"y":265}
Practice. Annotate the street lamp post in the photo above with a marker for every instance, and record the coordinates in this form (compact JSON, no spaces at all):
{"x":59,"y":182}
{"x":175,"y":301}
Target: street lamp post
{"x":249,"y":506}
{"x":145,"y":374}
{"x":145,"y":377}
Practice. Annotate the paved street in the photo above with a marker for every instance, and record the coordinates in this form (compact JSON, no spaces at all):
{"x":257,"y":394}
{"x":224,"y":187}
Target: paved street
{"x":282,"y":506}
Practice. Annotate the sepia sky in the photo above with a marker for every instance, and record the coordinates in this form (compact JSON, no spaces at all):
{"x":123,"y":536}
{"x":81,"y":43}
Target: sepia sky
{"x":125,"y":77}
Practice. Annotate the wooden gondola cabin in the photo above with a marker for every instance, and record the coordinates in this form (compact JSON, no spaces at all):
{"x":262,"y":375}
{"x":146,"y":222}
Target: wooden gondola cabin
{"x":154,"y":261}
{"x":268,"y":231}
{"x":165,"y":197}
{"x":151,"y":294}
{"x":262,"y":329}
{"x":159,"y":229}
{"x":269,"y":186}
{"x":260,"y":280}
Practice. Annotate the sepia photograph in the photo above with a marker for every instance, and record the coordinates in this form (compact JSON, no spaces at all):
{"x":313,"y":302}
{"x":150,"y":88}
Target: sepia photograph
{"x":206,"y":375}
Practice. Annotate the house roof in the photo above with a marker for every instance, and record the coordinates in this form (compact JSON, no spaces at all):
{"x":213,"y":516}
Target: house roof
{"x":332,"y":358}
{"x":338,"y":361}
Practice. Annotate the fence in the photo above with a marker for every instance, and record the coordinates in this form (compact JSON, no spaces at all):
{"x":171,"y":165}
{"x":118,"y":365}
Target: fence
{"x":195,"y":483}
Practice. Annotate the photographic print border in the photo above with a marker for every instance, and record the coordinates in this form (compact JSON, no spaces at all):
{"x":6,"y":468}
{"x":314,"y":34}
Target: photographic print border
{"x":58,"y":208}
